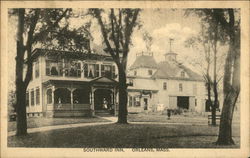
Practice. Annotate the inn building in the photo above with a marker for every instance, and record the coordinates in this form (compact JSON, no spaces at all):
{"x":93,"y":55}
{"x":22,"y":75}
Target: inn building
{"x":69,"y":84}
{"x":66,"y":84}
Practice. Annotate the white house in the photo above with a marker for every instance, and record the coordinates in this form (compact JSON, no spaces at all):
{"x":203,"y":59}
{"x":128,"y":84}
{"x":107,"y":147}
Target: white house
{"x":167,"y":84}
{"x":68,"y":83}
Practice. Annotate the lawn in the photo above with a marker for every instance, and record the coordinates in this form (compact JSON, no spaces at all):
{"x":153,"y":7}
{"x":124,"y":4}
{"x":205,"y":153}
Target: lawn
{"x":183,"y":118}
{"x":42,"y":121}
{"x":126,"y":136}
{"x":157,"y":117}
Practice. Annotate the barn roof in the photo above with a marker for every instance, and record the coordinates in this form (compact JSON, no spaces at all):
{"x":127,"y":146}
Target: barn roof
{"x":144,"y":61}
{"x":169,"y":70}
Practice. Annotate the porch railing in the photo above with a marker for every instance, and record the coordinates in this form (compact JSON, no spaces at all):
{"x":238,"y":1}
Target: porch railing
{"x":71,"y":107}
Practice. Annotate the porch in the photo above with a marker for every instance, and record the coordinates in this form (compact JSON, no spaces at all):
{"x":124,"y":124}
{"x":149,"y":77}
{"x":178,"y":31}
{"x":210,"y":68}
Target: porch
{"x":78,"y":98}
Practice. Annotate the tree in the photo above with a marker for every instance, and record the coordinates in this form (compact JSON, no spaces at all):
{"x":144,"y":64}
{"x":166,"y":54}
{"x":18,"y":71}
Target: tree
{"x":202,"y":44}
{"x":117,"y":34}
{"x":231,"y":81}
{"x":28,"y":20}
{"x":214,"y":37}
{"x":228,"y":21}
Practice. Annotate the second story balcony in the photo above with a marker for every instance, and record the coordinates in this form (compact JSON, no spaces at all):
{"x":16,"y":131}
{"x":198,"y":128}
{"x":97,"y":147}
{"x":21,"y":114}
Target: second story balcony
{"x":73,"y":65}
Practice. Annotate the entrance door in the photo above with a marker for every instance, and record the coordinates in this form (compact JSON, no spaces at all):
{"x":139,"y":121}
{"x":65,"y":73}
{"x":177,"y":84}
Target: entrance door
{"x":102,"y":99}
{"x":183,"y":102}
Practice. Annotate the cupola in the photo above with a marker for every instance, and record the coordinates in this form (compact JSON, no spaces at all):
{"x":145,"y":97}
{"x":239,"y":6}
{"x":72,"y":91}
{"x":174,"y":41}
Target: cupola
{"x":170,"y":56}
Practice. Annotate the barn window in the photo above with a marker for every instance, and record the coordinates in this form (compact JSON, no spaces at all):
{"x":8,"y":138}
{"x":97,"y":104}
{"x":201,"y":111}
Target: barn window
{"x":180,"y":87}
{"x":164,"y":85}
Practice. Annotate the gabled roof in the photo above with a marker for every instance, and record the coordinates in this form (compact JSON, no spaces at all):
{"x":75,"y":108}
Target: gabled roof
{"x":103,"y":80}
{"x":167,"y":70}
{"x":144,"y":61}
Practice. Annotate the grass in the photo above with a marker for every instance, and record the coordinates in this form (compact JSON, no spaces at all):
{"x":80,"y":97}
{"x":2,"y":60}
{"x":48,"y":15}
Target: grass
{"x":126,"y":136}
{"x":183,"y":118}
{"x":42,"y":121}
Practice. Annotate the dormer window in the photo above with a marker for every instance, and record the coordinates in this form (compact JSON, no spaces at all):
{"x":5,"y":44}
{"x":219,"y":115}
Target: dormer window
{"x":182,"y":74}
{"x":150,"y":72}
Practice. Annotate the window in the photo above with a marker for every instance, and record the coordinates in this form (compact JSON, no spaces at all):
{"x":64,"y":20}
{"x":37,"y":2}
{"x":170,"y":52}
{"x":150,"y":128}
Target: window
{"x":72,"y":68}
{"x":130,"y":101}
{"x":27,"y":98}
{"x":37,"y":96}
{"x":32,"y":94}
{"x":135,"y":73}
{"x":164,"y":85}
{"x":106,"y":70}
{"x":180,"y":87}
{"x":137,"y":102}
{"x":49,"y":96}
{"x":150,"y":72}
{"x":37,"y":69}
{"x":194,"y":89}
{"x":182,"y":74}
{"x":54,"y":68}
{"x":91,"y":70}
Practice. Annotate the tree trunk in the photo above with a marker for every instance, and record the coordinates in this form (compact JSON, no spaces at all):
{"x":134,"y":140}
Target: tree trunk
{"x":20,"y":86}
{"x":231,"y":93}
{"x":225,"y":132}
{"x":21,"y":110}
{"x":215,"y":39}
{"x":123,"y":111}
{"x":209,"y":85}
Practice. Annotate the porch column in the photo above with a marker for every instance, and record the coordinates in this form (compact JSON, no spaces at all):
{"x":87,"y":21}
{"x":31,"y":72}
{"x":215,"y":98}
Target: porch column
{"x":71,"y":98}
{"x":63,"y":64}
{"x":53,"y":90}
{"x":115,"y":101}
{"x":92,"y":103}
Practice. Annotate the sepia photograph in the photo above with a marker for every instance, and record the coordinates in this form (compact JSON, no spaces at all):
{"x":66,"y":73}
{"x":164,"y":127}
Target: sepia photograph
{"x":109,"y":79}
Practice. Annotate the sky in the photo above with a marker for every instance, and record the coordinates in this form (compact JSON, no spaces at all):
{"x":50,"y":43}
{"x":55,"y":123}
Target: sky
{"x":161,"y":24}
